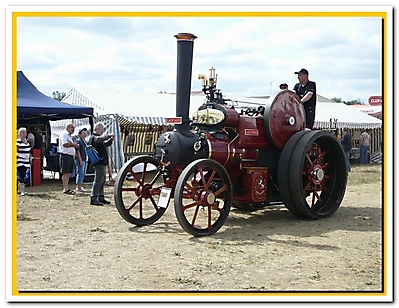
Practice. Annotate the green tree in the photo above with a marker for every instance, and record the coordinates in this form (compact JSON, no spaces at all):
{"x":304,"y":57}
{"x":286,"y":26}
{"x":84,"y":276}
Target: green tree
{"x":58,"y":95}
{"x":352,"y":102}
{"x":357,"y":101}
{"x":336,"y":99}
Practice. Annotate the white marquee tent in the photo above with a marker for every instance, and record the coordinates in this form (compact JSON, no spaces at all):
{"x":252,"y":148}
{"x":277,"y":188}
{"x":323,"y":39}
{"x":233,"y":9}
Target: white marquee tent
{"x":140,"y":107}
{"x":112,"y":105}
{"x":153,"y":109}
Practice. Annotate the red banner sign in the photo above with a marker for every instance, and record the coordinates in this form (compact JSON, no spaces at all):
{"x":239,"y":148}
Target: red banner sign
{"x":177,"y":120}
{"x":375,"y":100}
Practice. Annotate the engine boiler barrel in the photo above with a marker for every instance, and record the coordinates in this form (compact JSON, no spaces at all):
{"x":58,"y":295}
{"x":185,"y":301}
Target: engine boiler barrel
{"x":284,"y":115}
{"x":185,"y":42}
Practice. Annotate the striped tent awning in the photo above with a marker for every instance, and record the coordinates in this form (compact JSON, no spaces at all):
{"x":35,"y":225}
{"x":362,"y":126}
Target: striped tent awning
{"x":128,"y":120}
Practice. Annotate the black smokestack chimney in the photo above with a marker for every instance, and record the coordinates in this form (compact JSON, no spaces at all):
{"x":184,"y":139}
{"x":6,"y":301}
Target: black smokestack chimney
{"x":185,"y":43}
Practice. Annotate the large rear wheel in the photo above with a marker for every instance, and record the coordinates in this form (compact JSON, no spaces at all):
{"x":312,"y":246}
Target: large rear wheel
{"x":317,"y":175}
{"x":284,"y":172}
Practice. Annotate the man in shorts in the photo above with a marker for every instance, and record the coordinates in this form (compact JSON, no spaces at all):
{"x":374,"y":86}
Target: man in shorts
{"x":67,"y":155}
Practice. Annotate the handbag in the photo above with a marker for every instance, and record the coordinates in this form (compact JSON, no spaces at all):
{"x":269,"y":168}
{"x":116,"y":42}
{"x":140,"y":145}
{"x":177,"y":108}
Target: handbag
{"x":92,"y":153}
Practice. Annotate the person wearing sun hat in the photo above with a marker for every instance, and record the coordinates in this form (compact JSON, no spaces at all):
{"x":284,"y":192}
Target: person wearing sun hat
{"x":306,"y":91}
{"x":81,"y":160}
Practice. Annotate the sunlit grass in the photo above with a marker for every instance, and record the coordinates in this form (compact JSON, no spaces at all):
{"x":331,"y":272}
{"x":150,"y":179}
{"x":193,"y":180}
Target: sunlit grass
{"x":365,"y":174}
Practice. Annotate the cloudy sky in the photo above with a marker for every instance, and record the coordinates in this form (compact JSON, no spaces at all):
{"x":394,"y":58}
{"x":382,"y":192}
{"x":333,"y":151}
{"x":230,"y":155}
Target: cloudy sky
{"x":252,"y":55}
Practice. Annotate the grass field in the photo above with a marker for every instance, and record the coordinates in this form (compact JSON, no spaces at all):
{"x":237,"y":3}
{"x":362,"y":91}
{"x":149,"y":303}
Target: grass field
{"x":365,"y":174}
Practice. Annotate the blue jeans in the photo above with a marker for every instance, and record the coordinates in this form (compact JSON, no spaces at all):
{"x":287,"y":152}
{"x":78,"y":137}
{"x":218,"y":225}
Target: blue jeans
{"x":80,"y":171}
{"x":347,"y":160}
{"x":100,"y":175}
{"x":364,"y":149}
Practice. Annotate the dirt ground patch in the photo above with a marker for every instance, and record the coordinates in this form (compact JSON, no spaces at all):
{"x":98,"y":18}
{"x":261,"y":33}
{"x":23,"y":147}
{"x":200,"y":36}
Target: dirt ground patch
{"x":65,"y":244}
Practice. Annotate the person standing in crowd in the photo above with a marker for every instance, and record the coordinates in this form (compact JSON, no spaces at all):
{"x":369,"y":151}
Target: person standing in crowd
{"x":283,"y":86}
{"x":81,"y":160}
{"x":67,"y":149}
{"x":23,"y":158}
{"x":306,"y":91}
{"x":100,"y":142}
{"x":346,"y":142}
{"x":364,"y":143}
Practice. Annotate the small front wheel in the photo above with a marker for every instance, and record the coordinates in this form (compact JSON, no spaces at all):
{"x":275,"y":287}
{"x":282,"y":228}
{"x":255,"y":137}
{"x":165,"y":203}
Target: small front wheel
{"x":137,"y":190}
{"x":203,"y":197}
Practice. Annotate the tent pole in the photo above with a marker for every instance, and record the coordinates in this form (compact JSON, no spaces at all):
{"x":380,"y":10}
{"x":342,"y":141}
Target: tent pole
{"x":119,"y":141}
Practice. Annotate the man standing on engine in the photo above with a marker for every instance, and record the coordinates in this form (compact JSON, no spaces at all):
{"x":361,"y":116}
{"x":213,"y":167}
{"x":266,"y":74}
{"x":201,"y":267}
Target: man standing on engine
{"x":306,"y":91}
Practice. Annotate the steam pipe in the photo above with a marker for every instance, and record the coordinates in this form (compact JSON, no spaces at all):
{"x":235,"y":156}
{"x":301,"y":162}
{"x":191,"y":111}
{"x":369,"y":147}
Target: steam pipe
{"x":185,"y":43}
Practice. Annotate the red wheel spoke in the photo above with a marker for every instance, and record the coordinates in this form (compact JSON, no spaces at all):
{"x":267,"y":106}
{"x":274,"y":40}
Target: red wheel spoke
{"x":213,"y":206}
{"x":137,"y":178}
{"x":188,"y":195}
{"x":194,"y":216}
{"x":325,"y":166}
{"x":202,"y":176}
{"x":307,"y":186}
{"x":210,"y":180}
{"x":155,"y":178}
{"x":154,"y":203}
{"x":317,"y":154}
{"x":309,"y":159}
{"x":128,"y":209}
{"x":320,"y":156}
{"x":128,"y":189}
{"x":141,"y":208}
{"x":144,"y":172}
{"x":195,"y":203}
{"x":188,"y":185}
{"x":324,"y":187}
{"x":222,"y":189}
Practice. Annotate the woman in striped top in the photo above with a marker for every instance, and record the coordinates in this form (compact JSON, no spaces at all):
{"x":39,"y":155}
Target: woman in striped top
{"x":23,"y":158}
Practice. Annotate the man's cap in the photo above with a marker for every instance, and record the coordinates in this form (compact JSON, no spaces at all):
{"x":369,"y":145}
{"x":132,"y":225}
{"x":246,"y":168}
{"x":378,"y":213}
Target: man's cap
{"x":303,"y":71}
{"x":283,"y":85}
{"x":83,"y":129}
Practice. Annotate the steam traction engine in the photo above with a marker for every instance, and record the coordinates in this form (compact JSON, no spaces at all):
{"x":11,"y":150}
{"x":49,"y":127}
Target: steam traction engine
{"x":223,"y":158}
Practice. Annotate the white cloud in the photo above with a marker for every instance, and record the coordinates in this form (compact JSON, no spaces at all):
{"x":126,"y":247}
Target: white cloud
{"x":342,"y":54}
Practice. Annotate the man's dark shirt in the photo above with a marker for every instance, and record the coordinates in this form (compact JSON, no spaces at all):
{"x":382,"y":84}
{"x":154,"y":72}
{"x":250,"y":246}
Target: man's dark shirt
{"x":309,"y":87}
{"x":101,"y":145}
{"x":346,"y":142}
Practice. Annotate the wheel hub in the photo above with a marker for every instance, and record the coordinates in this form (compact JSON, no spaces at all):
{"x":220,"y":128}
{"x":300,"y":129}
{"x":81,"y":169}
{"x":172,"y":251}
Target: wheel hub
{"x":207,"y":198}
{"x":143,"y":191}
{"x":210,"y":199}
{"x":317,"y":174}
